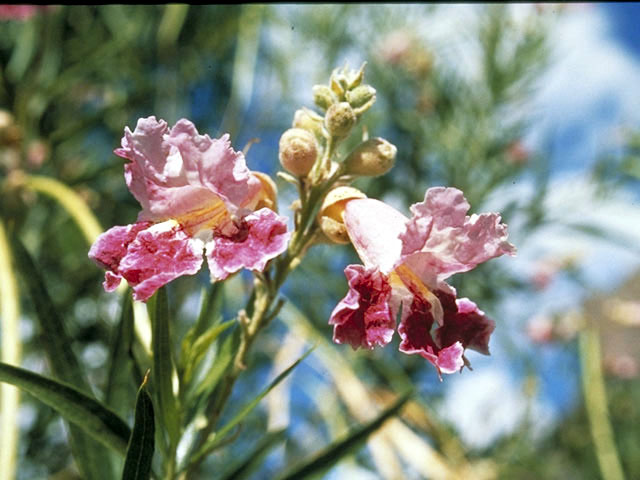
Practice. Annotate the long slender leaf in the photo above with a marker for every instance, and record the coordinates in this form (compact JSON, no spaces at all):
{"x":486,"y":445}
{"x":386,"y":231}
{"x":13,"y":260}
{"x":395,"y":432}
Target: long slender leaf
{"x":219,"y":436}
{"x":137,"y":465}
{"x":329,"y":456}
{"x":199,"y":348}
{"x":163,"y":366}
{"x":78,"y":408}
{"x":10,"y":352}
{"x":248,"y":465}
{"x":64,"y":364}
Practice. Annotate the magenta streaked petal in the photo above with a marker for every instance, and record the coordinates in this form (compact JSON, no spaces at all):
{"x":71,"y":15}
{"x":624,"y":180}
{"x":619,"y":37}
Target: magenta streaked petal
{"x":110,"y":247}
{"x":441,"y":240}
{"x":415,"y":327}
{"x":111,"y":281}
{"x":263,"y":235}
{"x":365,"y":316}
{"x":464,"y":323}
{"x":157,"y":256}
{"x":374,"y":229}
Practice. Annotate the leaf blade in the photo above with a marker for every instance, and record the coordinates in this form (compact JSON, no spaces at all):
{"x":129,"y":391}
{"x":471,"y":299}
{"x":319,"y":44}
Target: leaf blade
{"x":330,"y":455}
{"x":137,"y":465}
{"x":78,"y":408}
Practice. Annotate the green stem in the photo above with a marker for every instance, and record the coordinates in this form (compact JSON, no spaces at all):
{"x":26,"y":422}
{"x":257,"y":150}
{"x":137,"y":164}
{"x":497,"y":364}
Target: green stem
{"x":596,"y":404}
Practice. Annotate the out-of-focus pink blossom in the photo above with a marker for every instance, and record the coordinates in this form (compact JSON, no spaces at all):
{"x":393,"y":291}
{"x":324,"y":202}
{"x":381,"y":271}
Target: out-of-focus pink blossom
{"x":406,"y":262}
{"x":19,"y":12}
{"x":197,"y":197}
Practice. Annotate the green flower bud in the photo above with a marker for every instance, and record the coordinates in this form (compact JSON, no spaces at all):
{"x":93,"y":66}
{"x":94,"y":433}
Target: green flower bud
{"x":362,"y":96}
{"x":298,"y":151}
{"x":308,"y":120}
{"x":374,"y":157}
{"x":323,"y":97}
{"x":340,"y":119}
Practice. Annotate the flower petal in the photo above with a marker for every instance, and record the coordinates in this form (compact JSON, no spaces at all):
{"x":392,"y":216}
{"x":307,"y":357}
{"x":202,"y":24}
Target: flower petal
{"x":147,"y":256}
{"x":214,"y":164}
{"x":465,"y":323}
{"x":110,"y":248}
{"x":441,"y":239}
{"x":374,"y":228}
{"x":175,"y":172}
{"x":365,"y":317}
{"x":263,"y":235}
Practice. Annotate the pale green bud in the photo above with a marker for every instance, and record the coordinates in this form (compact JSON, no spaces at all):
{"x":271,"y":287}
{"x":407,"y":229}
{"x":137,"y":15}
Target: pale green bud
{"x":340,"y":119}
{"x":298,"y":151}
{"x":323,"y":97}
{"x":308,"y":120}
{"x":361,"y":96}
{"x":374,"y":157}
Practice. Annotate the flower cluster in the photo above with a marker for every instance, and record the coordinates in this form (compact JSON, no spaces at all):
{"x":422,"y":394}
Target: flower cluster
{"x":197,"y":195}
{"x":406,"y":262}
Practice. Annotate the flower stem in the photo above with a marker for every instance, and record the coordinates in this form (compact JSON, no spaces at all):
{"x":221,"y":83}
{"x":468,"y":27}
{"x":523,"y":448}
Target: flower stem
{"x":596,"y":404}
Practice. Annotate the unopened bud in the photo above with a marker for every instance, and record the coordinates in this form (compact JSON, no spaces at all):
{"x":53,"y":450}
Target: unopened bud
{"x":374,"y":157}
{"x":298,"y":151}
{"x":323,"y":97}
{"x":340,"y":119}
{"x":268,"y":194}
{"x":308,"y":120}
{"x":364,"y":95}
{"x":331,"y":213}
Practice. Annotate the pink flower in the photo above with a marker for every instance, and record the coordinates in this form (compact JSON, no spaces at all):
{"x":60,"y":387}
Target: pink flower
{"x":406,"y":263}
{"x":19,"y":12}
{"x":197,"y":195}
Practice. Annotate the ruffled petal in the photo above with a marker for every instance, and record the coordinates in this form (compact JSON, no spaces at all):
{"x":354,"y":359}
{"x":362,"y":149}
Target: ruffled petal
{"x":110,"y":248}
{"x":464,"y":323}
{"x":147,"y":256}
{"x":214,"y":164}
{"x":415,"y":331}
{"x":177,"y":172}
{"x":158,"y":255}
{"x":365,"y":317}
{"x":374,"y":228}
{"x":440,"y":238}
{"x":262,"y":235}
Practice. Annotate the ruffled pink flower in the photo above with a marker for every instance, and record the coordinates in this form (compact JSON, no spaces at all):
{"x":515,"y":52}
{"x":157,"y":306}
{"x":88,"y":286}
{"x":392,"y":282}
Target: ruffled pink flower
{"x":198,"y":198}
{"x":20,"y":12}
{"x":406,"y":262}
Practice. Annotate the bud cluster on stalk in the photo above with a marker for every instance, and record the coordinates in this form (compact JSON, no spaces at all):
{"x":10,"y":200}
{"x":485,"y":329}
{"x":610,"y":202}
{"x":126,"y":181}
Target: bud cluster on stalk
{"x":313,"y":153}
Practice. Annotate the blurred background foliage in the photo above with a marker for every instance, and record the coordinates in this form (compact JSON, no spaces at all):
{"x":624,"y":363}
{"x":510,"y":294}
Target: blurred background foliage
{"x":71,"y":78}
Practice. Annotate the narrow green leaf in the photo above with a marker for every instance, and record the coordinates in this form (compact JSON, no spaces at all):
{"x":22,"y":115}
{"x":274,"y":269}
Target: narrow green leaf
{"x":163,"y":366}
{"x":57,"y":345}
{"x":210,"y":307}
{"x":221,"y":363}
{"x":83,"y":411}
{"x":119,"y":377}
{"x":333,"y":453}
{"x":252,"y":461}
{"x":214,"y":440}
{"x":137,"y":465}
{"x":200,"y":347}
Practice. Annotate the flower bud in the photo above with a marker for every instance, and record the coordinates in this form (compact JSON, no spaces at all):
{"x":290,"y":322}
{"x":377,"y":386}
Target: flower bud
{"x":308,"y":120}
{"x":374,"y":157}
{"x":361,"y":96}
{"x":331,"y":211}
{"x":340,"y":119}
{"x":268,"y":194}
{"x":298,"y":151}
{"x":323,"y":97}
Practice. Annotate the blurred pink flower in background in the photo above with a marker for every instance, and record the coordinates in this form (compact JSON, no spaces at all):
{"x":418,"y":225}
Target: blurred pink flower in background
{"x":406,"y":263}
{"x":197,"y":195}
{"x":20,"y":12}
